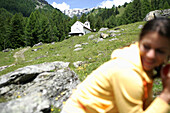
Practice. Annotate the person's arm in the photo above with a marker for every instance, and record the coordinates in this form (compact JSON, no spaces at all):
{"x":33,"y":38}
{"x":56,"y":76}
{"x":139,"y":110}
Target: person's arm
{"x":128,"y":91}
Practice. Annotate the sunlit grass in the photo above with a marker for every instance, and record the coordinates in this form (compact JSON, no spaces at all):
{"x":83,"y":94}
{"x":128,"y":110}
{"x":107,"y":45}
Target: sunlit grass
{"x":94,"y":54}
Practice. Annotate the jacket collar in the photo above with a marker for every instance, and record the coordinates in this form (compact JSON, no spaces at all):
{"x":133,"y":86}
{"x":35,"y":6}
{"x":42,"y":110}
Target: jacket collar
{"x":132,"y":55}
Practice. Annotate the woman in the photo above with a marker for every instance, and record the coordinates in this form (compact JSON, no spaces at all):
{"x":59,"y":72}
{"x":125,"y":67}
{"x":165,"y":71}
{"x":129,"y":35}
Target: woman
{"x":124,"y":84}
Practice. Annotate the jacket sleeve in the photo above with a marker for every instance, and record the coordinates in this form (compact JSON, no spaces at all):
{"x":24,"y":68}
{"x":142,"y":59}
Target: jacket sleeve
{"x":128,"y":90}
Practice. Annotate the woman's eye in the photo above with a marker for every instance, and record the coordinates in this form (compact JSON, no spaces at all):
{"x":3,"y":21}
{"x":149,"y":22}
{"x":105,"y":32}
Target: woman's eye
{"x":146,"y":47}
{"x":160,"y":51}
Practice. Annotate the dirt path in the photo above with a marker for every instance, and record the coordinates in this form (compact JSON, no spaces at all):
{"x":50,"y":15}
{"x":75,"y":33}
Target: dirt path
{"x":20,"y":55}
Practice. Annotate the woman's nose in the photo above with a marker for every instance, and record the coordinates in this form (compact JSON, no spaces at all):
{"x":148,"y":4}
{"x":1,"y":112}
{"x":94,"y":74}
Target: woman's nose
{"x":151,"y":54}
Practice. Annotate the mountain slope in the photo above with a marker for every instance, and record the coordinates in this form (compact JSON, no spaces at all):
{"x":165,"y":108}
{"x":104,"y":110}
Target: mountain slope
{"x":23,"y":6}
{"x":94,"y":53}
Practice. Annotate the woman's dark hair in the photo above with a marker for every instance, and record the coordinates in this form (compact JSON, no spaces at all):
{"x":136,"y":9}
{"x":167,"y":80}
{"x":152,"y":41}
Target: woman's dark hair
{"x":160,"y":25}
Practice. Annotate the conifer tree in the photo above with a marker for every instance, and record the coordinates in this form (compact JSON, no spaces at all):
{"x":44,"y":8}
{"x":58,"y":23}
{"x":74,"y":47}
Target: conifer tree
{"x":17,"y":31}
{"x":111,"y":22}
{"x":59,"y":22}
{"x":45,"y":31}
{"x":119,"y":20}
{"x":30,"y":31}
{"x":161,"y":2}
{"x":113,"y":11}
{"x":83,"y":18}
{"x":54,"y":33}
{"x":54,"y":25}
{"x":154,"y":4}
{"x":74,"y":19}
{"x":128,"y":15}
{"x":132,"y":12}
{"x":166,"y":5}
{"x":37,"y":27}
{"x":145,"y":8}
{"x":99,"y":23}
{"x":136,"y":11}
{"x":91,"y":19}
{"x":5,"y":18}
{"x":117,"y":11}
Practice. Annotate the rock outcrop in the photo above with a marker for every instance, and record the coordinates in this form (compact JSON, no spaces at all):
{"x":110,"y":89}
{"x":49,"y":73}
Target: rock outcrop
{"x":33,"y":89}
{"x":157,"y":13}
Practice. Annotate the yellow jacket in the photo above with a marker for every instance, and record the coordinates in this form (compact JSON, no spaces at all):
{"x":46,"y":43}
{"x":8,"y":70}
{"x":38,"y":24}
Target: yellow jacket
{"x":116,"y":87}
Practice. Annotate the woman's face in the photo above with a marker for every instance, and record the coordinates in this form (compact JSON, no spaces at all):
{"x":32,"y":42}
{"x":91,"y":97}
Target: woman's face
{"x":154,"y":50}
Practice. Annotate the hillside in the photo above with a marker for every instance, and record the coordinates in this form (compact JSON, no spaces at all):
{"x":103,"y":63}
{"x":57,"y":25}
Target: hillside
{"x":94,"y":53}
{"x":99,"y":11}
{"x":48,"y":24}
{"x":24,"y":6}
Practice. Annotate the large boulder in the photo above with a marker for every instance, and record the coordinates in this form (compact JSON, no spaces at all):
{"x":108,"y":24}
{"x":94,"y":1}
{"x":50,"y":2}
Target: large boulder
{"x":156,"y":14}
{"x":34,"y":103}
{"x":33,"y":89}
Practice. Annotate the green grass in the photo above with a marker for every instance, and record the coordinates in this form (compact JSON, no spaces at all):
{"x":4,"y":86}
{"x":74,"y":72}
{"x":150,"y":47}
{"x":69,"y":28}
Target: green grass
{"x":94,"y":53}
{"x":6,"y":58}
{"x":157,"y":87}
{"x":55,"y":110}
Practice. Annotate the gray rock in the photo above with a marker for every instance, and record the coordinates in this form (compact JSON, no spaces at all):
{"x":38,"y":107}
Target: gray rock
{"x":52,"y":85}
{"x":85,"y":43}
{"x":29,"y":72}
{"x":6,"y":50}
{"x":113,"y":31}
{"x":40,"y":57}
{"x":78,"y":63}
{"x":113,"y":35}
{"x":103,"y":35}
{"x":91,"y":37}
{"x":4,"y":90}
{"x":39,"y":44}
{"x":77,"y":45}
{"x":99,"y":40}
{"x":140,"y":26}
{"x":34,"y":103}
{"x":36,"y":49}
{"x":77,"y":49}
{"x":156,"y":14}
{"x":4,"y":67}
{"x":28,"y":104}
{"x":103,"y":29}
{"x":117,"y":29}
{"x":113,"y":39}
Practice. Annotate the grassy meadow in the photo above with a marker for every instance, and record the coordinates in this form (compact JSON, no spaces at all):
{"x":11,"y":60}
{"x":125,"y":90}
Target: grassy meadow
{"x":94,"y":54}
